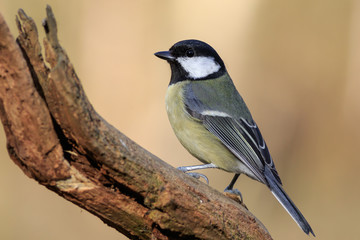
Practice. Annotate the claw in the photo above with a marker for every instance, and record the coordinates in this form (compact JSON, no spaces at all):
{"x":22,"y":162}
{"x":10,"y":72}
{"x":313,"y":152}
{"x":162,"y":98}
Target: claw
{"x":198,"y":176}
{"x":193,"y":174}
{"x":197,"y":167}
{"x":236,"y":192}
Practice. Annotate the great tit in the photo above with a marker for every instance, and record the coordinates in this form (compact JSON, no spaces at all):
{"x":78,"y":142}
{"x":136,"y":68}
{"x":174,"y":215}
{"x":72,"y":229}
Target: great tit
{"x":212,"y":121}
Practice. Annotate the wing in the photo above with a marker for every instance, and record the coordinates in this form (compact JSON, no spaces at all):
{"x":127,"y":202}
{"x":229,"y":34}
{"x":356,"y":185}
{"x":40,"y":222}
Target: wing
{"x":259,"y":142}
{"x":233,"y":125}
{"x":244,"y":140}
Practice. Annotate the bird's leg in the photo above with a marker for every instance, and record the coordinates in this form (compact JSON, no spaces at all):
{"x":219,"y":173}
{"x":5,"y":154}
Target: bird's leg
{"x":230,"y":188}
{"x":197,"y":167}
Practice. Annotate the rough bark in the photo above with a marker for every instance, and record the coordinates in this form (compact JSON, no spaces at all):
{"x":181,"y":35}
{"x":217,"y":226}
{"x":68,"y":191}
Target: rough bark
{"x":57,"y":138}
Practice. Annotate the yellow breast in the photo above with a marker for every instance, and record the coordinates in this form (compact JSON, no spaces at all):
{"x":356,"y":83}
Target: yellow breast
{"x":194,"y":136}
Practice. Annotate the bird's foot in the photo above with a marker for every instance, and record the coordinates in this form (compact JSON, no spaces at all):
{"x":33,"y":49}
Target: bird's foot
{"x":194,"y":174}
{"x":198,"y":176}
{"x":234,"y":194}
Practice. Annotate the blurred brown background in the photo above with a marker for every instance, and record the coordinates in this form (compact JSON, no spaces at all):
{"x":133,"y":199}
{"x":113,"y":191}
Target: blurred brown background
{"x":297,"y":64}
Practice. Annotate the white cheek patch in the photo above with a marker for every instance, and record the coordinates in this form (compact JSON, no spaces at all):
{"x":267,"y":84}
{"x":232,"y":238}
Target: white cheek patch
{"x":199,"y":67}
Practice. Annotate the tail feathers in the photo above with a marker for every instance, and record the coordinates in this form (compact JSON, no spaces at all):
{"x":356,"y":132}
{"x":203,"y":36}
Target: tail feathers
{"x":286,"y":202}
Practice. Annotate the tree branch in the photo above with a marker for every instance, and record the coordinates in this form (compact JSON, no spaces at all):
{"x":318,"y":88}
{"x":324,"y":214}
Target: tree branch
{"x":57,"y":138}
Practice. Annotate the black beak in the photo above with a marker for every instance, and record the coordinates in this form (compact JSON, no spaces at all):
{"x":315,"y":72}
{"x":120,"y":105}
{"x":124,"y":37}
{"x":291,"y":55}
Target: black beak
{"x":166,"y":55}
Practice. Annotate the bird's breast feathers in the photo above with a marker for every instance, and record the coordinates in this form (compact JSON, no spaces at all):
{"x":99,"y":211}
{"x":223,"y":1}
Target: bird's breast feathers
{"x":195,"y":137}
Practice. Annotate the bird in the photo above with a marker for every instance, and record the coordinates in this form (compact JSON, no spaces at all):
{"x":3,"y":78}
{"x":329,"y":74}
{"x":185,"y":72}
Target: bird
{"x":211,"y":120}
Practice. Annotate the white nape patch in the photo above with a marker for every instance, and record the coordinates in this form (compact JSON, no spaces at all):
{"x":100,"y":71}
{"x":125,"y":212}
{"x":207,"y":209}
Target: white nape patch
{"x":199,"y":67}
{"x":214,"y":113}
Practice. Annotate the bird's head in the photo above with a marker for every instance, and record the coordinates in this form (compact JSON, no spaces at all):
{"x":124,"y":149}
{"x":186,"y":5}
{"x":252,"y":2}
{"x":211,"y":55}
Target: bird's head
{"x":193,"y":60}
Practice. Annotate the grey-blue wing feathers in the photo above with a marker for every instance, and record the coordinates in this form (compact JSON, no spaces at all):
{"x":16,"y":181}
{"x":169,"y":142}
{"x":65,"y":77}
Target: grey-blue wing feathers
{"x":236,"y":139}
{"x":223,"y":112}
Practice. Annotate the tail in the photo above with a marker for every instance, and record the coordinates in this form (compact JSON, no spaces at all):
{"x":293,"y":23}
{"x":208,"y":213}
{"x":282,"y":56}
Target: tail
{"x":286,"y":202}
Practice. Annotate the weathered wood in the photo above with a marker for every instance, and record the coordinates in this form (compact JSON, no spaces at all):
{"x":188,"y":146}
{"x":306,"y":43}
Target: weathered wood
{"x":56,"y":137}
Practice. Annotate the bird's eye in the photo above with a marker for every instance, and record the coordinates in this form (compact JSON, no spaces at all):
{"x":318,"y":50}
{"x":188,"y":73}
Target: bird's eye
{"x":189,"y":53}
